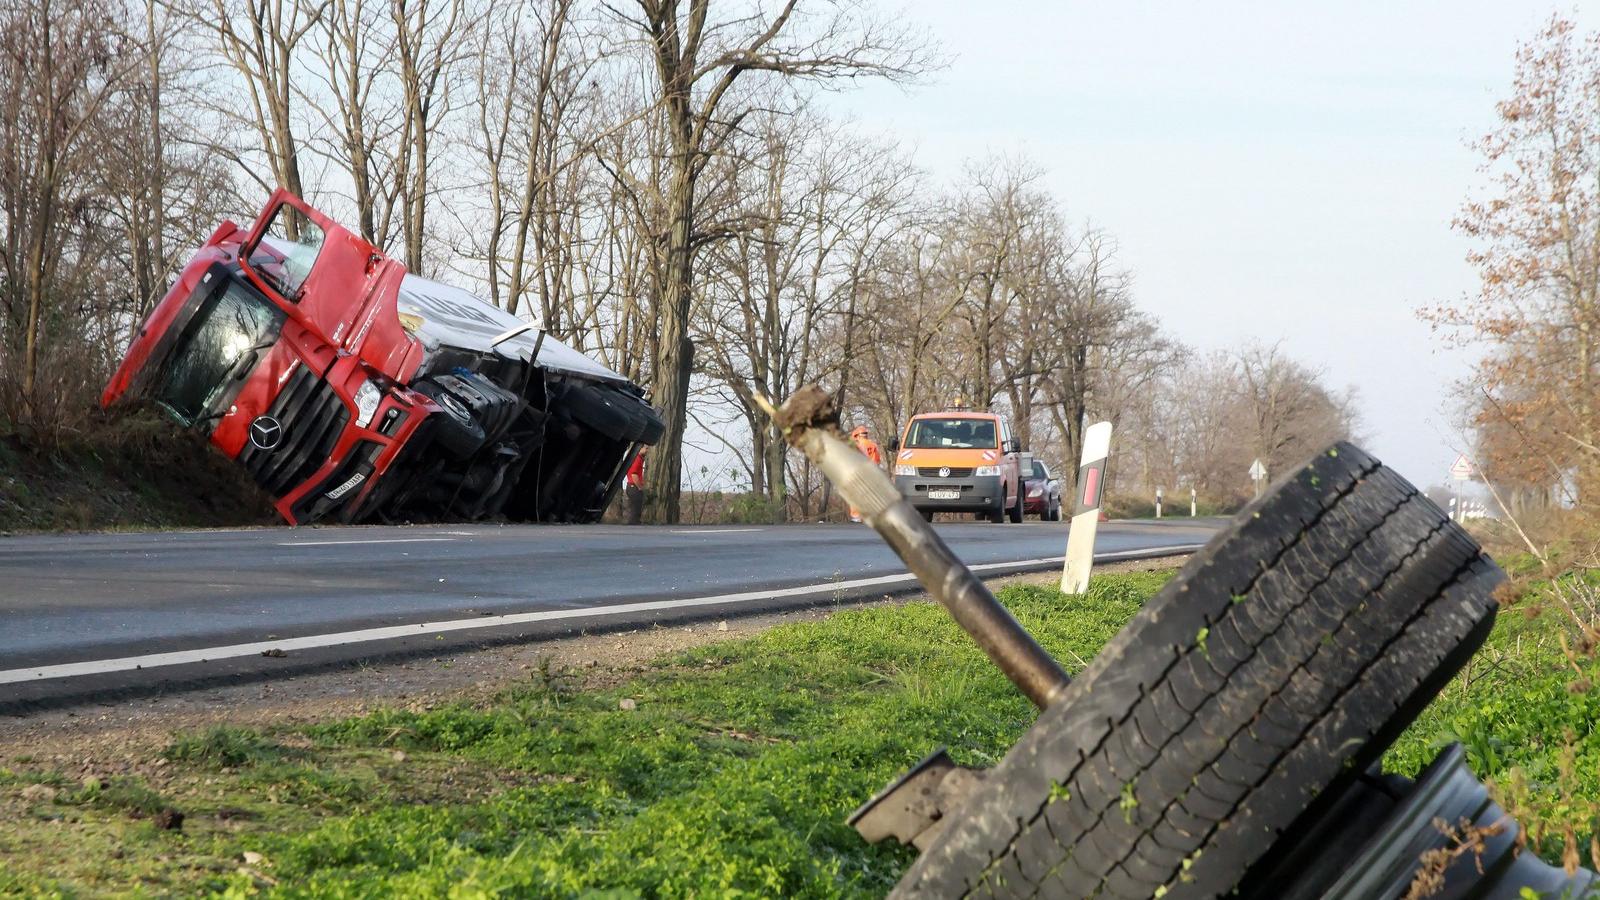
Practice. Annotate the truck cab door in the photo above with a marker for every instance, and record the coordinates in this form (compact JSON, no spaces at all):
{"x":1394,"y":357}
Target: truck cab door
{"x":312,"y":266}
{"x":330,"y":280}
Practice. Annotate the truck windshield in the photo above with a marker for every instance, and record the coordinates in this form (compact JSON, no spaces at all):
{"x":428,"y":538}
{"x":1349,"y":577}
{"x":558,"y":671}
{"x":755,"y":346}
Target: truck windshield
{"x":927,"y":434}
{"x":229,"y":330}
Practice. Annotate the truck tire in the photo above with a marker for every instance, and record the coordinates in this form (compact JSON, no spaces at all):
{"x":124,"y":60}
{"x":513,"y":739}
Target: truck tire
{"x":607,"y":411}
{"x":653,"y":429}
{"x":1280,"y":661}
{"x":455,"y":429}
{"x":1016,"y":508}
{"x":998,"y":514}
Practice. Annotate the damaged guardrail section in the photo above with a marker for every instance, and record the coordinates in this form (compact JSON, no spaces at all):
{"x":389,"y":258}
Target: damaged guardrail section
{"x":1227,"y":740}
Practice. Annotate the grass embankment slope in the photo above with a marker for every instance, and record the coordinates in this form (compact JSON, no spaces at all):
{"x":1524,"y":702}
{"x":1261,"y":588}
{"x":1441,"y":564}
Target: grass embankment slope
{"x":125,"y":469}
{"x":730,"y":776}
{"x":1527,"y":710}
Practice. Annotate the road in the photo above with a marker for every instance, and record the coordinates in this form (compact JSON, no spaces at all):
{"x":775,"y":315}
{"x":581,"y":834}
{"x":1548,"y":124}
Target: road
{"x":97,"y":611}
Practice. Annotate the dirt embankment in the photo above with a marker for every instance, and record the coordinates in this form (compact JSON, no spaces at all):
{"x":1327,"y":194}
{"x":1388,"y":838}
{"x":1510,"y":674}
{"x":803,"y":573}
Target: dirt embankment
{"x":123,"y":469}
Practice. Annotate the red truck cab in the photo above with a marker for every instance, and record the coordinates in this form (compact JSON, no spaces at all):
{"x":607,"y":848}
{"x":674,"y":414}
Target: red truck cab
{"x":353,"y":390}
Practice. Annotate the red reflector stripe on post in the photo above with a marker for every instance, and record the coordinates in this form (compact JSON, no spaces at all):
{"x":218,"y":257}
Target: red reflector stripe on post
{"x":1091,"y":488}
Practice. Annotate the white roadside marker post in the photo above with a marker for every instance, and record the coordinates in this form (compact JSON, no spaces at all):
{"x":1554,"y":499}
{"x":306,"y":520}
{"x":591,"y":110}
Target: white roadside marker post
{"x":1460,"y":472}
{"x":1086,"y":512}
{"x":1192,"y":502}
{"x":1158,"y":503}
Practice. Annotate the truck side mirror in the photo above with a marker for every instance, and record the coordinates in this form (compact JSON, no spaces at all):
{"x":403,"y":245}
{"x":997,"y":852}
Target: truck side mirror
{"x":1011,"y":446}
{"x":894,"y":445}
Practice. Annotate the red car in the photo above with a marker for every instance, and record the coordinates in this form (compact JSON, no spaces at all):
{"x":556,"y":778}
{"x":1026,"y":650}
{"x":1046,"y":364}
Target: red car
{"x":1041,"y":495}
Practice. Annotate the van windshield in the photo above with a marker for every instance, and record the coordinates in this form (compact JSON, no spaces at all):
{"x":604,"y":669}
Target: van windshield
{"x":929,"y":434}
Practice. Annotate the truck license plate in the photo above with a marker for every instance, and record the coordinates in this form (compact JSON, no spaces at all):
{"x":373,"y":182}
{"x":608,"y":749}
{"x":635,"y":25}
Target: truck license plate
{"x":944,"y":495}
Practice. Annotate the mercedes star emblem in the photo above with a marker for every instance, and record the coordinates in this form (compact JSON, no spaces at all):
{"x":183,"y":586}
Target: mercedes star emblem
{"x":944,"y":471}
{"x":266,"y":432}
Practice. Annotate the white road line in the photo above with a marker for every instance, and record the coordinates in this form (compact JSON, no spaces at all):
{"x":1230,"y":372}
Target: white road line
{"x":314,"y":641}
{"x":372,"y":541}
{"x":713,"y":530}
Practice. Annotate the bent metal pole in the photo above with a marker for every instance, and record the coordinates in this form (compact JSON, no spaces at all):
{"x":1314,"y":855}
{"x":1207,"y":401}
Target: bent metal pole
{"x":1086,"y":512}
{"x":809,"y":421}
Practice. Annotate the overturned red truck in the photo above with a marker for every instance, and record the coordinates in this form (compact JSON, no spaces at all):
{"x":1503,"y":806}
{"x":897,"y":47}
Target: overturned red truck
{"x":352,"y":390}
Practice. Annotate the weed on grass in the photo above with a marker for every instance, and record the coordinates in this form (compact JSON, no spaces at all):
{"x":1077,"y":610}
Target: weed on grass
{"x":224,"y":746}
{"x":1528,"y":717}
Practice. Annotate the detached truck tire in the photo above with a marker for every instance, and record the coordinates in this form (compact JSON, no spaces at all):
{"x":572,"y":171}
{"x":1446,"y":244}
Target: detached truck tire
{"x":1280,"y":662}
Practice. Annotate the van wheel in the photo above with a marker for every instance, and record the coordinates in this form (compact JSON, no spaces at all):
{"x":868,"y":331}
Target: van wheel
{"x":1016,"y":509}
{"x":998,"y":514}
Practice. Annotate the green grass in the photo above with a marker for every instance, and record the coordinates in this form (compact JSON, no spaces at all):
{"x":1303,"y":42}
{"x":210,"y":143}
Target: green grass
{"x":224,"y":746}
{"x":1528,"y":718}
{"x":731,"y":778}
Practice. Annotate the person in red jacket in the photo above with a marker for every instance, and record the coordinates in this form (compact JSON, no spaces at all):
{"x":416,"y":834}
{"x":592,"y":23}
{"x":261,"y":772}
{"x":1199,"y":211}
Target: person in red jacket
{"x":633,"y":488}
{"x":868,"y":448}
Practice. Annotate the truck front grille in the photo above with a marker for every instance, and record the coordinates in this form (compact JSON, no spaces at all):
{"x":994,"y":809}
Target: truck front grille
{"x":933,"y":472}
{"x":312,"y":417}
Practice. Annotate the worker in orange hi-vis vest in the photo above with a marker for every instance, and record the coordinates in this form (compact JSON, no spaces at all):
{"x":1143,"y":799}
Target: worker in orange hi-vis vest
{"x":871,"y":450}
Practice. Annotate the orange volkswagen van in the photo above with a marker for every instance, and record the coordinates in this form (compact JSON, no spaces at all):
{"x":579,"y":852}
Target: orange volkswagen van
{"x":959,"y":461}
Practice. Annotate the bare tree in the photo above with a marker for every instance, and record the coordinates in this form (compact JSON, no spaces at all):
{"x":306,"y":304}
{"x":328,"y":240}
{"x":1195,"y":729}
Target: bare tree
{"x":697,"y":62}
{"x":429,"y":47}
{"x":1287,"y":414}
{"x":1538,"y":259}
{"x":260,"y":40}
{"x":60,"y":68}
{"x":356,"y":111}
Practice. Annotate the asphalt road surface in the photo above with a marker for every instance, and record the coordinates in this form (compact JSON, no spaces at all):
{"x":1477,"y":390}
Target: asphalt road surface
{"x":98,"y":611}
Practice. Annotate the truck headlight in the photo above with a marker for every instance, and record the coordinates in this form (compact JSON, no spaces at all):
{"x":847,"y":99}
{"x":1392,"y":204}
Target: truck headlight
{"x":368,"y":396}
{"x":986,"y":470}
{"x":904,"y":469}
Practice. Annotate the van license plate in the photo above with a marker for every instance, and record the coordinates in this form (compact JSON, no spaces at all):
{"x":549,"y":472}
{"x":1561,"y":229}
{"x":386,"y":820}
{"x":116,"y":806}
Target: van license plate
{"x":944,"y":495}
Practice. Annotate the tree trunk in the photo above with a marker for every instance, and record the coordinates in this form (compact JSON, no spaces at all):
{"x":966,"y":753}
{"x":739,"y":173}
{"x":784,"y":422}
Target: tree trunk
{"x":777,"y":481}
{"x":157,"y":189}
{"x":675,"y":354}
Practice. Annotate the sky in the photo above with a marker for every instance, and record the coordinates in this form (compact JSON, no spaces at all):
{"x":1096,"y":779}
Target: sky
{"x":1270,"y":171}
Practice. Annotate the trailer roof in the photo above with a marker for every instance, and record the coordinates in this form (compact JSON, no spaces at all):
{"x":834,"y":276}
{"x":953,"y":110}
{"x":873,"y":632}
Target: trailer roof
{"x":458,"y":318}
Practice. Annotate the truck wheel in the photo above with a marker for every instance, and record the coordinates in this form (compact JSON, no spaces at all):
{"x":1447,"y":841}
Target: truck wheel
{"x":1016,"y":508}
{"x":455,"y":429}
{"x":1281,"y":661}
{"x":604,"y":410}
{"x":998,"y":514}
